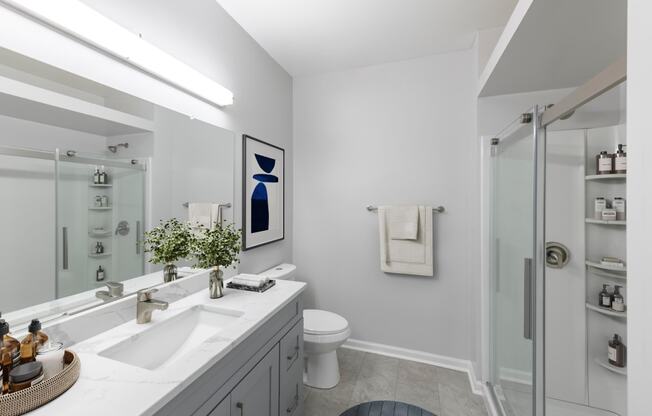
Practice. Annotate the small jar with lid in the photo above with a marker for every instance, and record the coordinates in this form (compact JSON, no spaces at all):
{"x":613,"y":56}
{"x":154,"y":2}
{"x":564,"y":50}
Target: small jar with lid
{"x":25,"y":376}
{"x":604,"y":163}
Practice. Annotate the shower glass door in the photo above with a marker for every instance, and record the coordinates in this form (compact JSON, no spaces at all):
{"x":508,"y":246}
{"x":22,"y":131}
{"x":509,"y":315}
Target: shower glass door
{"x":514,"y":247}
{"x":99,"y":226}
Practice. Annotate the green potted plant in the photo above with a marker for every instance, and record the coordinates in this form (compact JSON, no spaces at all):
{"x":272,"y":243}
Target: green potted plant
{"x":214,"y":249}
{"x":168,"y":243}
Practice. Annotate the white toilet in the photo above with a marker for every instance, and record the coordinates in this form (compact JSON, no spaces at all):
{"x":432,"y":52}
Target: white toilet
{"x":323,"y":333}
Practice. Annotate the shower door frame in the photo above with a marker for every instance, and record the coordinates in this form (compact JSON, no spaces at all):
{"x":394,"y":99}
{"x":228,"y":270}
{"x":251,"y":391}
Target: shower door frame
{"x":537,"y":292}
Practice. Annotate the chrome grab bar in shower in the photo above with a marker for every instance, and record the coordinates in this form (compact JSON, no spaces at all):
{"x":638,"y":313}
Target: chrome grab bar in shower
{"x":527,"y":298}
{"x":64,"y":248}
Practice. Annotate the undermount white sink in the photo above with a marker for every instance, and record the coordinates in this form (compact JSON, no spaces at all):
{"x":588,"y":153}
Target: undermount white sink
{"x":170,"y":340}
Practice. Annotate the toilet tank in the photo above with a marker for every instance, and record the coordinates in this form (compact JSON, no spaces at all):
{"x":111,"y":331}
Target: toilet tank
{"x":283,"y":271}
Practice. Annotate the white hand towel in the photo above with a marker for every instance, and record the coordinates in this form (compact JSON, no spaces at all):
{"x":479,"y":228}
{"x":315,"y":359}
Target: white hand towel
{"x":407,"y":256}
{"x":215,"y":215}
{"x":403,"y":222}
{"x":253,"y":277}
{"x":199,"y":214}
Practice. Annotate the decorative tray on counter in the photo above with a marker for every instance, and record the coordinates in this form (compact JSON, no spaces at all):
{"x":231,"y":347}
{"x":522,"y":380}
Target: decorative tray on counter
{"x":21,"y":402}
{"x":261,"y":289}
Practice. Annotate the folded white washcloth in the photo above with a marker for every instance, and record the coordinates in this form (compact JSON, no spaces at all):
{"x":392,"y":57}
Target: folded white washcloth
{"x":247,"y":282}
{"x":253,"y":277}
{"x":403,"y":222}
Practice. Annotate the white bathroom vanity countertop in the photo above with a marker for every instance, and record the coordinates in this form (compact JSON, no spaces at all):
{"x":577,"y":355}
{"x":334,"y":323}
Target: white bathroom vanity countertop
{"x":109,"y":387}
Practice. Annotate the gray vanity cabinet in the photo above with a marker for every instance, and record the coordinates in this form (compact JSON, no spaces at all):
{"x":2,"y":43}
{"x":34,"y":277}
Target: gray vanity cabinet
{"x":263,"y":376}
{"x":222,"y":409}
{"x":257,"y":393}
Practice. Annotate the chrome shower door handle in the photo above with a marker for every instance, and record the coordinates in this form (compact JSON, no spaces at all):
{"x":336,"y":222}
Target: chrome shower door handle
{"x":138,"y":240}
{"x":527,"y":298}
{"x":64,"y":248}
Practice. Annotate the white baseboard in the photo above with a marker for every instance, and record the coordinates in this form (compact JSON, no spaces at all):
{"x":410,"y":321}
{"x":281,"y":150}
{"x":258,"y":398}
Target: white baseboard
{"x":422,"y":357}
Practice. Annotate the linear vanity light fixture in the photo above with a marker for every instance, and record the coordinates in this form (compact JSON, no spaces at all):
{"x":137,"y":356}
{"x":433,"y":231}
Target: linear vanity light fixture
{"x":83,"y":22}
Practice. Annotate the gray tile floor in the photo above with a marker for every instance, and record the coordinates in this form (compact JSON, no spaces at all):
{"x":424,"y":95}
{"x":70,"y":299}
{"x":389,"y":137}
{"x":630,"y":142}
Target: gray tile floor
{"x":367,"y":377}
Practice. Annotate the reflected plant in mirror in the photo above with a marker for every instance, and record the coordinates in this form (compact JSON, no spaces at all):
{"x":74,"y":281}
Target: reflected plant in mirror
{"x":168,"y":243}
{"x":215,"y":248}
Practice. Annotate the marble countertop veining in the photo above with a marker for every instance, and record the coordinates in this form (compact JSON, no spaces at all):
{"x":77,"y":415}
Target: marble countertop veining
{"x":108,"y":387}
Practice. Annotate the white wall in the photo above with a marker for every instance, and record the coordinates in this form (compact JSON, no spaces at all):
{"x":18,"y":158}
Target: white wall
{"x":203,"y":35}
{"x":399,"y":133}
{"x":639,"y":195}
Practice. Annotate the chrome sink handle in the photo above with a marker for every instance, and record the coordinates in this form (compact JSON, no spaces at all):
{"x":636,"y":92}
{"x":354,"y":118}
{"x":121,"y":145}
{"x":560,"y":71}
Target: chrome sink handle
{"x":146,"y":294}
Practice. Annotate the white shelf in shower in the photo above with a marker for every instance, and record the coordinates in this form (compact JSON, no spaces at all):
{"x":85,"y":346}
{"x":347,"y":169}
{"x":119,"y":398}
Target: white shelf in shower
{"x":611,"y":176}
{"x":99,"y":235}
{"x":100,"y":208}
{"x":605,"y":222}
{"x":606,"y":311}
{"x":93,"y":255}
{"x":100,"y":185}
{"x":605,"y":364}
{"x":601,"y":266}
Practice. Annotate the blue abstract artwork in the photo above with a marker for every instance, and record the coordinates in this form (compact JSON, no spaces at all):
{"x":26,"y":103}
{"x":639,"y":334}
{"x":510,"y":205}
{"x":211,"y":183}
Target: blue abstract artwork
{"x":259,"y":196}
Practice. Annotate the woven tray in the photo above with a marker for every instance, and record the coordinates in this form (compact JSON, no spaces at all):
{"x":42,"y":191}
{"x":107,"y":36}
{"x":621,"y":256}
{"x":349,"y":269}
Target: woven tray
{"x":21,"y":402}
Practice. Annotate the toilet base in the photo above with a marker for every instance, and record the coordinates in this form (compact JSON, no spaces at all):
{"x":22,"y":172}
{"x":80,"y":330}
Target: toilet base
{"x":322,"y":370}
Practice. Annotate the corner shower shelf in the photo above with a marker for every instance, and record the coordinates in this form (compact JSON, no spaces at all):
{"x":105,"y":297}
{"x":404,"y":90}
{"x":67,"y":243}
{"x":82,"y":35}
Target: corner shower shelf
{"x":607,"y":275}
{"x":99,"y":235}
{"x":100,"y":208}
{"x":612,"y":176}
{"x":601,"y":266}
{"x":93,"y":255}
{"x":605,"y":222}
{"x":100,"y":185}
{"x":605,"y":364}
{"x":606,"y":311}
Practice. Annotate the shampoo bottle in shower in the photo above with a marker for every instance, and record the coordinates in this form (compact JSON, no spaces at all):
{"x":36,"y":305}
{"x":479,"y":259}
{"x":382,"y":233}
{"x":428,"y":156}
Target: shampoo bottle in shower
{"x":620,"y":160}
{"x":96,"y":176}
{"x":605,"y":297}
{"x":618,"y":303}
{"x":99,"y":274}
{"x":616,"y":351}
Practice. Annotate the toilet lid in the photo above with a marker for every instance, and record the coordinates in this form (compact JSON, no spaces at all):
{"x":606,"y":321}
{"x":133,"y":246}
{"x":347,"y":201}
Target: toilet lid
{"x":317,"y":322}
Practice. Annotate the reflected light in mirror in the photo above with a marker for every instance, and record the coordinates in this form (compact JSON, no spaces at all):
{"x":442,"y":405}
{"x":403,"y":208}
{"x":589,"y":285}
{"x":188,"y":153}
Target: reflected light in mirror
{"x":85,"y":23}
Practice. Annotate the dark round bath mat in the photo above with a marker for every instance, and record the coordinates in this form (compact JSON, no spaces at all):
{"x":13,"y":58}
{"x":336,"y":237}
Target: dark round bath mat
{"x":386,"y":409}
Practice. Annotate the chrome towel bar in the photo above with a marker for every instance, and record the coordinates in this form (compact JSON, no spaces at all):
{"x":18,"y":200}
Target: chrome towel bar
{"x":438,"y":209}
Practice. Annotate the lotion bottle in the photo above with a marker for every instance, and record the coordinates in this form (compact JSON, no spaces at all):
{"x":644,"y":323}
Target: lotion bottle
{"x":618,"y":303}
{"x":605,"y":297}
{"x":616,"y":351}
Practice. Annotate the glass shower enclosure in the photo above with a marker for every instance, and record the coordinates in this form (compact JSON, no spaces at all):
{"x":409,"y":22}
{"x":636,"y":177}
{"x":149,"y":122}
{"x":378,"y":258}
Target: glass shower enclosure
{"x":516,"y":241}
{"x":64,"y":233}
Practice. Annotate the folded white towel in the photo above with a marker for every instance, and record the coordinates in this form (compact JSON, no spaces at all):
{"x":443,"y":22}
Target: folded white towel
{"x":407,"y":256}
{"x":403,"y":222}
{"x":247,"y":282}
{"x":199,"y":214}
{"x":253,"y":277}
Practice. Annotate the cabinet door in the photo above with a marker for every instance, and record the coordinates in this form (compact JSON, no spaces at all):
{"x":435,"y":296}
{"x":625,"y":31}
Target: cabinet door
{"x":222,"y":409}
{"x":257,"y":393}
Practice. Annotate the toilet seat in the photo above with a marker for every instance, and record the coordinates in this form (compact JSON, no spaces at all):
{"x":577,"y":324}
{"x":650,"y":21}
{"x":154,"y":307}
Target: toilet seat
{"x":318,"y":322}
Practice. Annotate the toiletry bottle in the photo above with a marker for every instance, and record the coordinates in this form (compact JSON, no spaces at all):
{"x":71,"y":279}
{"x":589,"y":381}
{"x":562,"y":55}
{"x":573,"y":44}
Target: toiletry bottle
{"x":12,"y":344}
{"x":99,"y":274}
{"x":619,"y":207}
{"x":32,"y":341}
{"x":96,"y":176}
{"x":605,"y":297}
{"x":101,"y":248}
{"x":6,"y":362}
{"x":102,"y":178}
{"x":620,"y":160}
{"x":600,"y":205}
{"x":105,"y":201}
{"x":616,"y":351}
{"x":618,"y":303}
{"x":604,"y":163}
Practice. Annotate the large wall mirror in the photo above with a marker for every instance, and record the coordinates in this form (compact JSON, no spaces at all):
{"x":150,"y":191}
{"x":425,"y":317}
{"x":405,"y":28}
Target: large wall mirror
{"x":85,"y":170}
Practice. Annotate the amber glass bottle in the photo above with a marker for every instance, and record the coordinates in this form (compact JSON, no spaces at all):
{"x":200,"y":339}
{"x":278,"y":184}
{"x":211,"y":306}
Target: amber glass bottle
{"x":6,"y":361}
{"x":32,"y":341}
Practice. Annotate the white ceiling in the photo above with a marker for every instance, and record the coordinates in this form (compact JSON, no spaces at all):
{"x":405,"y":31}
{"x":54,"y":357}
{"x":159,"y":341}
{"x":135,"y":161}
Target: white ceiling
{"x":313,"y":36}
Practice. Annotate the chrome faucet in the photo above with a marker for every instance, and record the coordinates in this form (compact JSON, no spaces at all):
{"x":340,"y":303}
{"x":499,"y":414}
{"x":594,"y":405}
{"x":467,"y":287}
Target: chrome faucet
{"x":115,"y":291}
{"x":146,"y":305}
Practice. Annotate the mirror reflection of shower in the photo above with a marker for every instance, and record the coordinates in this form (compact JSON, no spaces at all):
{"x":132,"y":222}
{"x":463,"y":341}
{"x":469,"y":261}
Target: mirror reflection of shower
{"x":114,"y":148}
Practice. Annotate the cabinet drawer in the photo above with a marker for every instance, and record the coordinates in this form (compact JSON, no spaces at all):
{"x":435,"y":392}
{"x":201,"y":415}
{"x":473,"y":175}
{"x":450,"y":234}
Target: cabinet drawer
{"x":292,"y":349}
{"x":291,"y":392}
